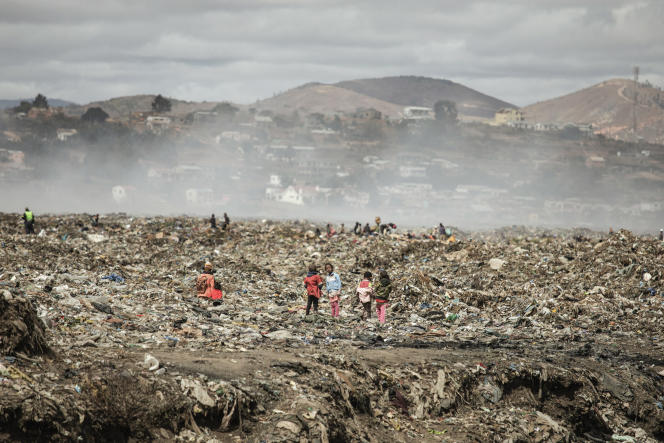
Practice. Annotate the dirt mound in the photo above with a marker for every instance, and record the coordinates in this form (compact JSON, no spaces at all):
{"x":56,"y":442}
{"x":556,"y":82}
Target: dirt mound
{"x":21,"y":330}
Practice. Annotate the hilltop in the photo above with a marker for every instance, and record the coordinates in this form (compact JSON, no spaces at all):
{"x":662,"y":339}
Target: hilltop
{"x":425,"y":91}
{"x":123,"y":107}
{"x":608,"y":106}
{"x":326,"y":99}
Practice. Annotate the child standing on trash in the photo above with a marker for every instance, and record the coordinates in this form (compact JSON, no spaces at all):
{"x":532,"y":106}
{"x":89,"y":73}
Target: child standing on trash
{"x":333,"y":287}
{"x":364,"y":293}
{"x":382,"y":291}
{"x":313,"y":284}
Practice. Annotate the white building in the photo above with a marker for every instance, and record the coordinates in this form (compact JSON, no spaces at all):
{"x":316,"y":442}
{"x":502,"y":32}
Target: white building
{"x":157,"y":123}
{"x":289,"y":195}
{"x":64,"y":134}
{"x":418,"y":113}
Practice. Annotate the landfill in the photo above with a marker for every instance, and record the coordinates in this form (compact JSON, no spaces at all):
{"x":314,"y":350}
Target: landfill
{"x":513,"y":335}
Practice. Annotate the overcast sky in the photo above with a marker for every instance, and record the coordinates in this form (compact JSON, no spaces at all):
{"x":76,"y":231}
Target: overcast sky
{"x":520,"y":51}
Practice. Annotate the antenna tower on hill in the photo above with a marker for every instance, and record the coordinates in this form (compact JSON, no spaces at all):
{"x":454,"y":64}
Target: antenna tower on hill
{"x":636,"y":86}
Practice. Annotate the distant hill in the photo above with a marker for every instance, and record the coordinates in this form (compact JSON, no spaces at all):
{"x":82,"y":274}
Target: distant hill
{"x":123,"y":107}
{"x":326,"y":99}
{"x":425,"y":91}
{"x":608,"y":106}
{"x":11,"y":103}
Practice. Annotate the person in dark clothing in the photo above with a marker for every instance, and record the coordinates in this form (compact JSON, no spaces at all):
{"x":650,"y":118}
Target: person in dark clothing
{"x":357,"y":230}
{"x":382,"y":295}
{"x":367,"y":230}
{"x":95,"y":221}
{"x":213,"y":222}
{"x":342,"y":230}
{"x":227,"y":222}
{"x":387,"y":228}
{"x":442,"y":232}
{"x":313,"y":283}
{"x":29,"y":221}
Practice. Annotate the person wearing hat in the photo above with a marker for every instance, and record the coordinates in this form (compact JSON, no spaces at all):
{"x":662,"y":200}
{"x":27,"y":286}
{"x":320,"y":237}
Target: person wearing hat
{"x":29,"y":221}
{"x":205,"y":285}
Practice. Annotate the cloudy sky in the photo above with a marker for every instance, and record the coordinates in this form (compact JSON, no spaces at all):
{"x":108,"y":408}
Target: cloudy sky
{"x":520,"y":51}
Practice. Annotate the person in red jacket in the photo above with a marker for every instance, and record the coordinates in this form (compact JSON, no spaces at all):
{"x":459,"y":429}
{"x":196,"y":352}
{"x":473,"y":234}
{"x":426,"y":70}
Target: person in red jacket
{"x":205,"y":285}
{"x":313,"y":284}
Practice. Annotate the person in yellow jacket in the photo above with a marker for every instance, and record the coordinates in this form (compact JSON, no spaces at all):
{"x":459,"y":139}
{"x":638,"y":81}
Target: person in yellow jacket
{"x":29,"y":221}
{"x":376,"y":228}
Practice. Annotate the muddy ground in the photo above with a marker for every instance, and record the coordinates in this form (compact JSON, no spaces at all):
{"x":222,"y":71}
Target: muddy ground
{"x":512,"y":335}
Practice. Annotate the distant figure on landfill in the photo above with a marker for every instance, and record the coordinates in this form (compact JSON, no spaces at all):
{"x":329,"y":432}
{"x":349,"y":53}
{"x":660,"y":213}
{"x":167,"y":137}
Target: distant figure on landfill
{"x":364,"y":293}
{"x":661,"y":235}
{"x":441,"y":231}
{"x":330,"y":231}
{"x":333,"y":287}
{"x":95,"y":220}
{"x":386,"y":228}
{"x":213,"y":222}
{"x":29,"y":221}
{"x":367,"y":230}
{"x":382,"y":295}
{"x":376,"y":227}
{"x":342,"y":230}
{"x":357,"y":230}
{"x":227,"y":222}
{"x":318,"y":233}
{"x":206,"y":287}
{"x":313,"y":284}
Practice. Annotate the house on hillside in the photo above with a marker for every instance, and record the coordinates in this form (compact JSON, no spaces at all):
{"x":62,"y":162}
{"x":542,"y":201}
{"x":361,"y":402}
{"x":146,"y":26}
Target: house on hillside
{"x":545,"y":127}
{"x":157,"y":123}
{"x":367,"y":114}
{"x":263,"y":121}
{"x":508,"y":117}
{"x":205,"y":116}
{"x":289,"y":195}
{"x":418,"y":113}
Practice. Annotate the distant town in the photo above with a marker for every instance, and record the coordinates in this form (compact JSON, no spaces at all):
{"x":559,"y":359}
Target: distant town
{"x":431,"y":162}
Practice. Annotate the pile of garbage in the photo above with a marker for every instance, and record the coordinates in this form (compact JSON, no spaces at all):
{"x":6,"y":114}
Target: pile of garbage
{"x":515,"y":334}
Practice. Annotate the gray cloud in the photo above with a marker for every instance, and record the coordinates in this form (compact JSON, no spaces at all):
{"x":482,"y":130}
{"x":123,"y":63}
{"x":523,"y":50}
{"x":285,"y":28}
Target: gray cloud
{"x":520,"y":51}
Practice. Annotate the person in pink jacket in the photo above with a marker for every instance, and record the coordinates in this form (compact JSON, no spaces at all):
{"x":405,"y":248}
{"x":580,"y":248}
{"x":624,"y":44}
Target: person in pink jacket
{"x":365,"y":293}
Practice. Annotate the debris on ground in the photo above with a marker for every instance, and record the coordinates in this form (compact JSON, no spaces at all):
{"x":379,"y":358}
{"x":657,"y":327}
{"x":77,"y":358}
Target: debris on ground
{"x":516,"y":334}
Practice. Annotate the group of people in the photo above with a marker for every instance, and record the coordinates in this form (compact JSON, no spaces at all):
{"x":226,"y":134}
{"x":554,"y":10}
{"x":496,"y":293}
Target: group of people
{"x":376,"y":229}
{"x":366,"y":292}
{"x":224,"y":225}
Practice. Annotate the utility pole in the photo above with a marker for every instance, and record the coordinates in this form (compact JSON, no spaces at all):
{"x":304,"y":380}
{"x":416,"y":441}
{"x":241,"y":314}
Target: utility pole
{"x":636,"y":86}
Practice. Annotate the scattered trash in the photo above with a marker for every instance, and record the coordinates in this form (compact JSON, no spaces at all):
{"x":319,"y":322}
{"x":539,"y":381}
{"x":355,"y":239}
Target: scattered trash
{"x":114,"y":277}
{"x":466,"y":351}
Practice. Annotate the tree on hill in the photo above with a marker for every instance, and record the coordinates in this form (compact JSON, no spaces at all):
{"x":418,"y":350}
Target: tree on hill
{"x":446,"y":111}
{"x":226,"y":110}
{"x":95,"y":115}
{"x":25,"y":106}
{"x":40,"y":102}
{"x":161,"y":104}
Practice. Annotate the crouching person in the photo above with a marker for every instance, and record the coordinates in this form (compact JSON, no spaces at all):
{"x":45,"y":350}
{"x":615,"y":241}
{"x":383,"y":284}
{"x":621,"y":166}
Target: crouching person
{"x":206,"y":287}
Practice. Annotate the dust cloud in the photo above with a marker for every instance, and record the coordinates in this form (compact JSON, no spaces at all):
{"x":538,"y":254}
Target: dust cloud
{"x":469,"y":175}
